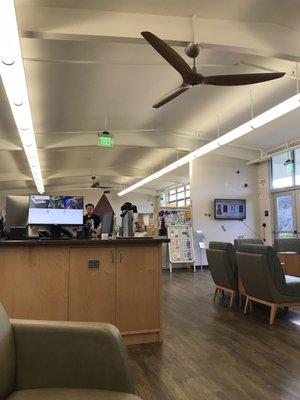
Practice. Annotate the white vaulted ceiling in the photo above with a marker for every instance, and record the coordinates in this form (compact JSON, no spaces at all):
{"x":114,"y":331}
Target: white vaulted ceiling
{"x":86,"y":60}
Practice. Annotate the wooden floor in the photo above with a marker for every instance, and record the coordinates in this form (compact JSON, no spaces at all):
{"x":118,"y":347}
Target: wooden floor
{"x":211,"y":352}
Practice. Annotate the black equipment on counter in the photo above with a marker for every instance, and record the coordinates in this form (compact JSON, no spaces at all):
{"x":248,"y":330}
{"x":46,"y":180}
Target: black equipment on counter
{"x":128,"y":209}
{"x":18,"y":233}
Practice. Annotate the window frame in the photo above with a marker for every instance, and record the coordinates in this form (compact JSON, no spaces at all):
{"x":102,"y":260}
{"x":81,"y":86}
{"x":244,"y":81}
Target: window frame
{"x":293,"y":186}
{"x":178,"y":192}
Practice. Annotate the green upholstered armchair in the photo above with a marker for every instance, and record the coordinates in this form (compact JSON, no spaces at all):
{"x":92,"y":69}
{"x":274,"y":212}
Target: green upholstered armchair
{"x":263,"y":278}
{"x":239,"y":242}
{"x":62,"y":360}
{"x":222,"y":265}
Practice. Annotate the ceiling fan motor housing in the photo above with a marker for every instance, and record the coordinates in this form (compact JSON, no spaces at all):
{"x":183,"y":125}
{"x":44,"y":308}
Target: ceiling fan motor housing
{"x":192,"y":50}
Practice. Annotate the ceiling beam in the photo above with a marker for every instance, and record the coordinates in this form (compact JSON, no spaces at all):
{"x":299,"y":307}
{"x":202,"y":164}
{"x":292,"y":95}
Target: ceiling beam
{"x":170,"y":140}
{"x":152,"y":139}
{"x":15,"y":176}
{"x":8,"y":145}
{"x":102,"y":173}
{"x":55,"y":23}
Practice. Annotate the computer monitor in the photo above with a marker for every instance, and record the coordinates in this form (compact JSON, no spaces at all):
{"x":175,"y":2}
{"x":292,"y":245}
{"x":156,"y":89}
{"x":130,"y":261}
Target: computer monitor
{"x":107,"y":222}
{"x":16,"y":211}
{"x":55,"y":210}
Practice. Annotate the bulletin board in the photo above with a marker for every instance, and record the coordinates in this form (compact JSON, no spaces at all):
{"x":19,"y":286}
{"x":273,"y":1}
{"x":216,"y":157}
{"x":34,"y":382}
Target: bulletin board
{"x":175,"y":216}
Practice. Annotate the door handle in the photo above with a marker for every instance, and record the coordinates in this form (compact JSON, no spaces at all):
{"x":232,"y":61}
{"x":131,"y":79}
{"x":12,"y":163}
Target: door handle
{"x":120,"y":256}
{"x":112,"y":257}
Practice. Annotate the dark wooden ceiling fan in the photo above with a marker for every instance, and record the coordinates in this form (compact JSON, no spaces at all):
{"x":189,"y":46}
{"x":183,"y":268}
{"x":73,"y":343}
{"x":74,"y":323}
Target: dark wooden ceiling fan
{"x":96,"y":185}
{"x":190,"y":75}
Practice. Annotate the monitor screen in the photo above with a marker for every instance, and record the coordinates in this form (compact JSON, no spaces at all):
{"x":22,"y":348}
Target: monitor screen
{"x":61,"y":210}
{"x":230,"y":209}
{"x":16,"y":211}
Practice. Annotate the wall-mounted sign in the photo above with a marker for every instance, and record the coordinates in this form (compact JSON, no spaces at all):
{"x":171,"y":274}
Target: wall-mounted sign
{"x":262,"y":183}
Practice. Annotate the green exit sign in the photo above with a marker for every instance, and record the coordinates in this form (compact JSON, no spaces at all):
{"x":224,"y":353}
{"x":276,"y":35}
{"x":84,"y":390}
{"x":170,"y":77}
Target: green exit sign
{"x":105,"y":139}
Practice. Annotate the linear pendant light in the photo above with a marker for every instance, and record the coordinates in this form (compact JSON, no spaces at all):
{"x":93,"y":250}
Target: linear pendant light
{"x":14,"y":82}
{"x":275,"y":112}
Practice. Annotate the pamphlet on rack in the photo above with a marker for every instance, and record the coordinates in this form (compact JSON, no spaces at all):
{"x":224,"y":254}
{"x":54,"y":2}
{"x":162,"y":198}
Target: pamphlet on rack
{"x":181,"y":248}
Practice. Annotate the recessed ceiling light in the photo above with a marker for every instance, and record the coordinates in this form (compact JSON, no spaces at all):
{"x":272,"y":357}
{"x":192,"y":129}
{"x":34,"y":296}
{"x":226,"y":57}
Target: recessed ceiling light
{"x":8,"y":61}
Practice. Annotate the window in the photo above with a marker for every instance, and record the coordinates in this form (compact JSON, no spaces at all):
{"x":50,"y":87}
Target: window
{"x":282,"y":176}
{"x":179,"y":196}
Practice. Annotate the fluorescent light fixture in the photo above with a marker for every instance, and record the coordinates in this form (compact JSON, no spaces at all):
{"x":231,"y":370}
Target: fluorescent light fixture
{"x":235,"y":133}
{"x":14,"y":82}
{"x":275,"y":112}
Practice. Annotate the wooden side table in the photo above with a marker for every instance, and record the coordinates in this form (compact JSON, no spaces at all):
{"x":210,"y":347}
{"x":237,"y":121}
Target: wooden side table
{"x":290,"y":262}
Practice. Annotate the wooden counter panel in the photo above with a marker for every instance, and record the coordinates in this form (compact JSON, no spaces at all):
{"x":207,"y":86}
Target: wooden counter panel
{"x":138,"y":288}
{"x":92,"y":290}
{"x":34,"y":284}
{"x":14,"y":266}
{"x":64,"y":283}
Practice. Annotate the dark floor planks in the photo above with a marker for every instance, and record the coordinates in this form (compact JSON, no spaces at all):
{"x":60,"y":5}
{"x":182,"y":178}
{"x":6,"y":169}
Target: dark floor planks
{"x":211,"y":352}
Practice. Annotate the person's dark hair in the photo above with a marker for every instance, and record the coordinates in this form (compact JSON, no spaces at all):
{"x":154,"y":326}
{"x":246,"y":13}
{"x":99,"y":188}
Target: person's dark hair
{"x":88,"y":205}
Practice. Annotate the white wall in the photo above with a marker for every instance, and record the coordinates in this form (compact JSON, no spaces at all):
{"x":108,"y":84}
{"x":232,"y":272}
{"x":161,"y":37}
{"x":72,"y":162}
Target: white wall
{"x":215,"y":176}
{"x":265,"y":202}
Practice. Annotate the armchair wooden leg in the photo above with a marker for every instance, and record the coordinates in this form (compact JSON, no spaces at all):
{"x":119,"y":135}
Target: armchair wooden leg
{"x":246,"y":305}
{"x":240,"y":299}
{"x":216,"y":292}
{"x":232,"y":297}
{"x":250,"y":305}
{"x":273,"y":313}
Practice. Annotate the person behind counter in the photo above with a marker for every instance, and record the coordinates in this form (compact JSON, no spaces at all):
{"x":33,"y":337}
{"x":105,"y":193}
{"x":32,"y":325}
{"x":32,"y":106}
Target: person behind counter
{"x":90,"y":215}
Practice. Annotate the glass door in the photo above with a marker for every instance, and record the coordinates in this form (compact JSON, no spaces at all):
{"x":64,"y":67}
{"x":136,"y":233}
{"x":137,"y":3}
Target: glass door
{"x":285,"y":206}
{"x":297,"y":205}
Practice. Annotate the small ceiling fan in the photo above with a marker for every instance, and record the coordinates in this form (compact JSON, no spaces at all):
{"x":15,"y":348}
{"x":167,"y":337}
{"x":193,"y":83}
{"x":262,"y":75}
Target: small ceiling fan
{"x":190,"y":75}
{"x":96,"y":184}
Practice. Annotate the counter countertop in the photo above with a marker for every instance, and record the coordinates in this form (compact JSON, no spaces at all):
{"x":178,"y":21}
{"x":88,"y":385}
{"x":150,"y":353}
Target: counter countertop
{"x":80,"y":242}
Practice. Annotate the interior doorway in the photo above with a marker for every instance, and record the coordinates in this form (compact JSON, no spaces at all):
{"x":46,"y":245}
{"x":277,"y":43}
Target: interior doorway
{"x":287,"y":214}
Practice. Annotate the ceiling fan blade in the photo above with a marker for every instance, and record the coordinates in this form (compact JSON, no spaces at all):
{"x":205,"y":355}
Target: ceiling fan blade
{"x":241,"y":79}
{"x":95,"y":185}
{"x":170,"y":96}
{"x":170,"y":55}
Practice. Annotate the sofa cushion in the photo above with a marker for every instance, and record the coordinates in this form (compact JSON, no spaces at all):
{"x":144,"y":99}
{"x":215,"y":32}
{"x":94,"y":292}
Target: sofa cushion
{"x":70,"y":394}
{"x":239,"y":242}
{"x":292,"y":279}
{"x":292,"y":286}
{"x":7,"y":355}
{"x":287,"y":245}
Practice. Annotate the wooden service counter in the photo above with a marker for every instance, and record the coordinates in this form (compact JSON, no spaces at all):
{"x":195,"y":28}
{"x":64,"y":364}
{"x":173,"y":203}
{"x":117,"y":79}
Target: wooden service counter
{"x":116,"y":281}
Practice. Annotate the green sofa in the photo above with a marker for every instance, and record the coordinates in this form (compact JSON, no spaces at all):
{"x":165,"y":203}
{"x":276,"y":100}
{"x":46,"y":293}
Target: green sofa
{"x":42,"y":360}
{"x":240,"y":242}
{"x":222,"y":265}
{"x":283,"y":245}
{"x":263,"y":278}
